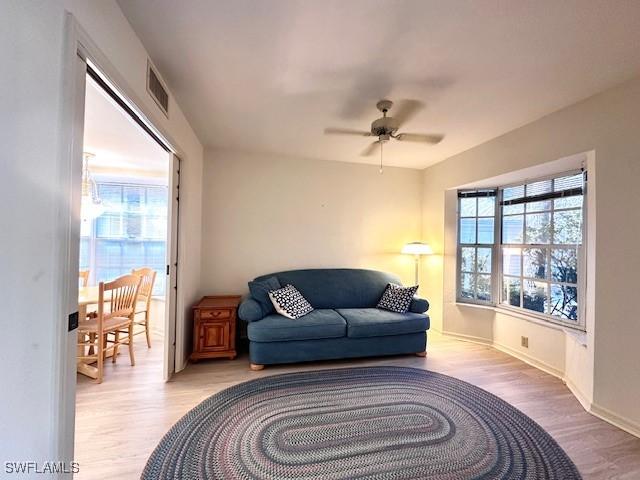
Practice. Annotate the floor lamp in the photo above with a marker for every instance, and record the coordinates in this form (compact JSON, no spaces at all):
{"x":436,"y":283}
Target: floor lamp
{"x":416,"y":249}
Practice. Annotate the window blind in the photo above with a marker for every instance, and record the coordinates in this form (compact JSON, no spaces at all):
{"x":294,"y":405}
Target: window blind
{"x":476,"y":193}
{"x":568,"y":186}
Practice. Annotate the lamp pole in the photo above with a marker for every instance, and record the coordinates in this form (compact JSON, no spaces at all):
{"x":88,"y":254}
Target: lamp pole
{"x":416,"y":249}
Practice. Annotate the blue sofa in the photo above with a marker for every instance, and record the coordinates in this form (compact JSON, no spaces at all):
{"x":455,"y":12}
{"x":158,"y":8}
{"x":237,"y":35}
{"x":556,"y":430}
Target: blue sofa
{"x":344,"y":324}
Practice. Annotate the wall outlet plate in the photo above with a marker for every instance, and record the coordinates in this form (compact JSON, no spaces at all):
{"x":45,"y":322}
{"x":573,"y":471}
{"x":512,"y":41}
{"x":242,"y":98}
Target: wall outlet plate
{"x":524,"y":342}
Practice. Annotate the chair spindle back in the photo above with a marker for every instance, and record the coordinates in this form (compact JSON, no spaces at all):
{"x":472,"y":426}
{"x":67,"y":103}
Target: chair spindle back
{"x":147,"y":280}
{"x":123,"y":294}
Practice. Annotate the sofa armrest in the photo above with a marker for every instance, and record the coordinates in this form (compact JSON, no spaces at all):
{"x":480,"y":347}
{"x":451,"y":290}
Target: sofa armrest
{"x":419,"y":305}
{"x":250,"y":310}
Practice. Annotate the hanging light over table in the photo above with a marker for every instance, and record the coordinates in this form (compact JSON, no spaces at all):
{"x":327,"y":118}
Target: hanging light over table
{"x":91,"y":206}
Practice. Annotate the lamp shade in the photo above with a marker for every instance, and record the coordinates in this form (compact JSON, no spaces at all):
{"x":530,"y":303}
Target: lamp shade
{"x":417,"y":248}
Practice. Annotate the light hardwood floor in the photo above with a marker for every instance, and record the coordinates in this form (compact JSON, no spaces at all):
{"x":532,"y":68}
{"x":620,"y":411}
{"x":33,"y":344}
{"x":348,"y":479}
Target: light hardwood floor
{"x":119,"y":422}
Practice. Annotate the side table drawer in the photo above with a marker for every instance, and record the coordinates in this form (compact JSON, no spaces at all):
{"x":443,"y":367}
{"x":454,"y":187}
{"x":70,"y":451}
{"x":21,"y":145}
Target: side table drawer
{"x":215,"y":314}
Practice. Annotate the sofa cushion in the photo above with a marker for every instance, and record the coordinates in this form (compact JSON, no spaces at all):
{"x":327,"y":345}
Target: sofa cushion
{"x":373,"y":322}
{"x":419,"y":305}
{"x":317,"y":324}
{"x":250,"y":310}
{"x":260,"y":289}
{"x":337,"y":287}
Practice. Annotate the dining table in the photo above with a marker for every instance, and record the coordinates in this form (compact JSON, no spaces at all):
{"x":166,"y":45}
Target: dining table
{"x":87,"y":296}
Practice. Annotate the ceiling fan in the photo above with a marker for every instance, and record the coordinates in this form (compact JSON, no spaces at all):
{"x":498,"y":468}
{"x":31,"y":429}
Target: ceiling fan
{"x":386,"y":128}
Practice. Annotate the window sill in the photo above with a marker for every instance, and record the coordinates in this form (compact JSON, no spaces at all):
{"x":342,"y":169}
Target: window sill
{"x":578,"y":335}
{"x":481,"y":306}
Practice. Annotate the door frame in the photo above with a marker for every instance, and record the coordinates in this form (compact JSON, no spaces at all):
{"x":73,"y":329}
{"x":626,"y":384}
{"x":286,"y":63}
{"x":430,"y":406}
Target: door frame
{"x":171,"y":304}
{"x":79,"y":50}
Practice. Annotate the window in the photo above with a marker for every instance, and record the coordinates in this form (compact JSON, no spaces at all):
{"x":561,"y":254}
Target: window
{"x":131,"y":233}
{"x":539,"y":247}
{"x":476,"y":238}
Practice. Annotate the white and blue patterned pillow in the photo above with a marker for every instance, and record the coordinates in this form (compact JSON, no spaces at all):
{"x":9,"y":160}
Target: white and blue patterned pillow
{"x":289,"y":302}
{"x":396,"y":298}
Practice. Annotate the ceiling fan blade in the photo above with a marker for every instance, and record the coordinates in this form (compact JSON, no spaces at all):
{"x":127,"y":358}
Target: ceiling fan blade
{"x":346,"y":131}
{"x":370,"y":150}
{"x":418,"y":137}
{"x":405,"y":111}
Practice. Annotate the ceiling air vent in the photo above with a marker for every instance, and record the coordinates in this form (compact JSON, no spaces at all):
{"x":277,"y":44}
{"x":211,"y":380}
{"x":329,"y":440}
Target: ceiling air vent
{"x":157,"y":90}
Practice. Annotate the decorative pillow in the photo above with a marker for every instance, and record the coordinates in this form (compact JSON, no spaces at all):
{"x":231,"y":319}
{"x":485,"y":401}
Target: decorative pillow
{"x":289,"y":302}
{"x":260,"y":292}
{"x":396,"y":298}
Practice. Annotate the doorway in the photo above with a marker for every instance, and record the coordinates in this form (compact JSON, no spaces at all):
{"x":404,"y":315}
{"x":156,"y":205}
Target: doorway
{"x":124,"y":208}
{"x":128,"y":227}
{"x":82,"y":55}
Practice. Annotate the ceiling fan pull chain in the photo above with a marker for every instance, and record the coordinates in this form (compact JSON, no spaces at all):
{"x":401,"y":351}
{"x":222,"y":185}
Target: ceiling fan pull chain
{"x":381,"y":145}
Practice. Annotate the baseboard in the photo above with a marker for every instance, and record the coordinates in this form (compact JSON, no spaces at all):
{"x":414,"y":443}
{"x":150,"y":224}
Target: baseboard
{"x":181,"y":366}
{"x":580,"y":396}
{"x":529,"y":360}
{"x":468,"y":338}
{"x":509,"y":351}
{"x":615,"y":420}
{"x":596,"y":410}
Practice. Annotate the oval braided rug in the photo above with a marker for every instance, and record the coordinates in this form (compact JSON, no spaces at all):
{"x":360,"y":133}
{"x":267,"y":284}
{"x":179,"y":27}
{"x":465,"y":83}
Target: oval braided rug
{"x":375,"y":422}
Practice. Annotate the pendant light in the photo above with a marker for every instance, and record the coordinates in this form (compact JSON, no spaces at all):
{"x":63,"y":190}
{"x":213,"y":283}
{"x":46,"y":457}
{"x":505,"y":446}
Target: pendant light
{"x":91,"y":206}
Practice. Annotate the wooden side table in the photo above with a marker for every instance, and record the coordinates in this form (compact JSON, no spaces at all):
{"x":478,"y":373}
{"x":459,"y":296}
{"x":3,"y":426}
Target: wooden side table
{"x":214,"y":327}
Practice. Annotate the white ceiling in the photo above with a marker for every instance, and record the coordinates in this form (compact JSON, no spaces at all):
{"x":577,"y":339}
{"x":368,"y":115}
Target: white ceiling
{"x":269,"y":76}
{"x":117,"y":142}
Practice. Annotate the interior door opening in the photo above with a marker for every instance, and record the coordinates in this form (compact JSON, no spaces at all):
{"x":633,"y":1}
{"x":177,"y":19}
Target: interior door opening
{"x":129,"y":222}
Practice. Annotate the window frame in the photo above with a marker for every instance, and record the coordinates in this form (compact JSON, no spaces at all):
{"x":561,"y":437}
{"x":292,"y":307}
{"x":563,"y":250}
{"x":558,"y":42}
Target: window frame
{"x":476,"y":245}
{"x":497,"y":274}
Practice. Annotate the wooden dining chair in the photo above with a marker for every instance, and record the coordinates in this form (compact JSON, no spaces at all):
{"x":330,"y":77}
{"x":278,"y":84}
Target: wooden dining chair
{"x":143,"y":306}
{"x":116,"y":307}
{"x":83,"y":277}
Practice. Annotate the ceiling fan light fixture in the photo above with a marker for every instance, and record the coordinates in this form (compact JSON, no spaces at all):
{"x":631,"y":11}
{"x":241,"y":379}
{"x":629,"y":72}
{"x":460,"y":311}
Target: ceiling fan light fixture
{"x":384,"y":106}
{"x":386,"y":128}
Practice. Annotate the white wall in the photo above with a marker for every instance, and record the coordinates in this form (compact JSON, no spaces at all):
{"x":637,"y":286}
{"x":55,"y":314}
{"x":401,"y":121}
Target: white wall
{"x":31,"y":46}
{"x":263,"y":214}
{"x":31,"y":82}
{"x":605,"y":371}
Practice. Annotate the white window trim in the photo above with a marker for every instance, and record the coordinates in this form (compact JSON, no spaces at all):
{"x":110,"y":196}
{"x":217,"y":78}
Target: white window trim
{"x":497,"y":273}
{"x":496,"y":230}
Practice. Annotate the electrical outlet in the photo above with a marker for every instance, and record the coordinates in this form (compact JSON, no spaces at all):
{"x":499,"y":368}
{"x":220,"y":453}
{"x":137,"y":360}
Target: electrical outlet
{"x":524,"y":342}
